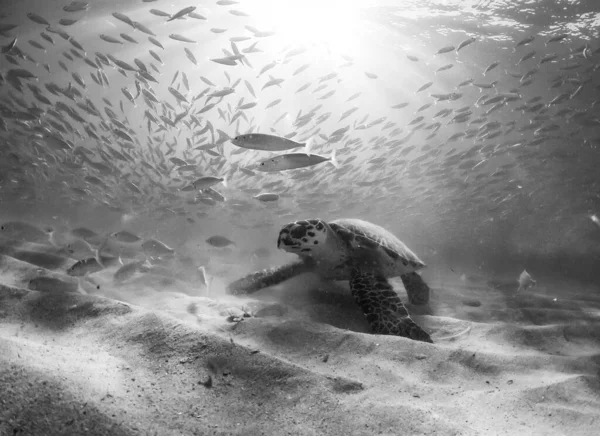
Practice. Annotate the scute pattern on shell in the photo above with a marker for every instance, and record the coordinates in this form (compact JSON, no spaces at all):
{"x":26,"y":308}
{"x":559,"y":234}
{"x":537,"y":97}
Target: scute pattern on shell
{"x":350,"y":229}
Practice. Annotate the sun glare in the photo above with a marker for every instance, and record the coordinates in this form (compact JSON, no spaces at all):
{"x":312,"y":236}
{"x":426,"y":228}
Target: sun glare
{"x":332,"y":24}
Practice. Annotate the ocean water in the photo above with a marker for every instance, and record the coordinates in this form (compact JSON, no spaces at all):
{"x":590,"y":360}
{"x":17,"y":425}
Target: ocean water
{"x":468,"y":129}
{"x":511,"y":180}
{"x":471,"y":130}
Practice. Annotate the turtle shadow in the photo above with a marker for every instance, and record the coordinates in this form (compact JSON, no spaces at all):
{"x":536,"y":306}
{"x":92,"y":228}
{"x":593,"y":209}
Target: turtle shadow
{"x":328,"y":302}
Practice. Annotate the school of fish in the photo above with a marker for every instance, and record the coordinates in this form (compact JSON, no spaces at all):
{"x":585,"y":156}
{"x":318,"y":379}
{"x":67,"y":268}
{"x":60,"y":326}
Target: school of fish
{"x":92,"y":117}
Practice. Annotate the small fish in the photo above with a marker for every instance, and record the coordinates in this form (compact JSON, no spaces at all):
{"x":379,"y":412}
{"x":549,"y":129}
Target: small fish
{"x":143,"y":28}
{"x":159,"y":13}
{"x":424,"y":87}
{"x":548,"y":58}
{"x":205,"y":183}
{"x":190,"y":56}
{"x":125,"y":236}
{"x":182,"y":13}
{"x":79,"y":249}
{"x":110,"y":39}
{"x":128,"y":38}
{"x":90,"y":266}
{"x":293,"y":161}
{"x":490,"y":67}
{"x":525,"y":281}
{"x":225,"y":61}
{"x":222,"y":93}
{"x":557,"y":38}
{"x":446,"y":49}
{"x":485,"y":85}
{"x":37,"y":19}
{"x":262,"y":141}
{"x":247,"y":105}
{"x":46,"y":37}
{"x":416,"y":120}
{"x":524,"y":41}
{"x":181,"y":38}
{"x":465,"y":43}
{"x":6,"y":49}
{"x":300,"y":69}
{"x":526,"y":57}
{"x":273,"y":103}
{"x":595,"y":220}
{"x":444,"y":68}
{"x":76,"y":6}
{"x":36,"y":45}
{"x":85,"y":234}
{"x":129,"y":270}
{"x":177,"y":94}
{"x":196,"y":16}
{"x":155,"y":56}
{"x":267,"y":197}
{"x":219,"y":241}
{"x":272,"y":82}
{"x":424,"y":107}
{"x":124,"y":18}
{"x":67,"y":21}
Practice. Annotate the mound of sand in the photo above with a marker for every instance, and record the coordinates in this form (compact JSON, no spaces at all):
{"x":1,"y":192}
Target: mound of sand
{"x":142,"y":359}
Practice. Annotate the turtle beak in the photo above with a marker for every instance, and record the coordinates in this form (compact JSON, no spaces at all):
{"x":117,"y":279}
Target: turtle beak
{"x":285,"y":242}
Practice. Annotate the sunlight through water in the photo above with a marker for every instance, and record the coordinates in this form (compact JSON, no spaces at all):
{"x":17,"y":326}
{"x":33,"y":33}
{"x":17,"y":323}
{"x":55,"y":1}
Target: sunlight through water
{"x":330,"y":24}
{"x":332,"y":217}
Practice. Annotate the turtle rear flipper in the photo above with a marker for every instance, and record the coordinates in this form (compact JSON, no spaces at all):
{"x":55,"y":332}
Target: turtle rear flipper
{"x":416,"y":289}
{"x":269,"y":277}
{"x":382,"y":307}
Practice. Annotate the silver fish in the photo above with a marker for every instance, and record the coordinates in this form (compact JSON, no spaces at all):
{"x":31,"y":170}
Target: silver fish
{"x":182,"y":13}
{"x":219,"y":241}
{"x":266,"y":197}
{"x":262,"y":141}
{"x":293,"y":161}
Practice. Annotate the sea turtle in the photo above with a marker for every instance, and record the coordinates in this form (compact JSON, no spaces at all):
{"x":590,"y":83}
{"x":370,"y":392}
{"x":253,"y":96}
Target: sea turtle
{"x":355,"y":250}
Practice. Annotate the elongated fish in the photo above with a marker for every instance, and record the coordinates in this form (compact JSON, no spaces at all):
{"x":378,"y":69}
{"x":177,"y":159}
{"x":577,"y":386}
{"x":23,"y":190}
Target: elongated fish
{"x":261,"y":141}
{"x":292,"y":161}
{"x":182,"y":13}
{"x":266,"y":197}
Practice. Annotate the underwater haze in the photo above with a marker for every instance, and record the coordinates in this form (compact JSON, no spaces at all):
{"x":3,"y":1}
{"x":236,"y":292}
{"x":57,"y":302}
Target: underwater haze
{"x":469,"y":129}
{"x":151,"y":151}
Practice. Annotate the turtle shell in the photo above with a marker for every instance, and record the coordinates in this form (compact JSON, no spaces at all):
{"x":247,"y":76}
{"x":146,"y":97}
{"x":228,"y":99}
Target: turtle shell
{"x":389,"y":252}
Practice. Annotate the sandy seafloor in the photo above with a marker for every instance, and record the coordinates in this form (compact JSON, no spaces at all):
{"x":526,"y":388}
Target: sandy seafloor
{"x":503,"y":363}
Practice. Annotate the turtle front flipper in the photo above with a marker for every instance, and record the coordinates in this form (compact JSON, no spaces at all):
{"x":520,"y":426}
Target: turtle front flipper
{"x":416,"y":289}
{"x":382,"y":307}
{"x":269,"y":277}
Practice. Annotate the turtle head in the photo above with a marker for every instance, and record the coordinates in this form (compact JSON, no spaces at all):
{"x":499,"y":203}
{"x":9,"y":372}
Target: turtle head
{"x":308,"y":239}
